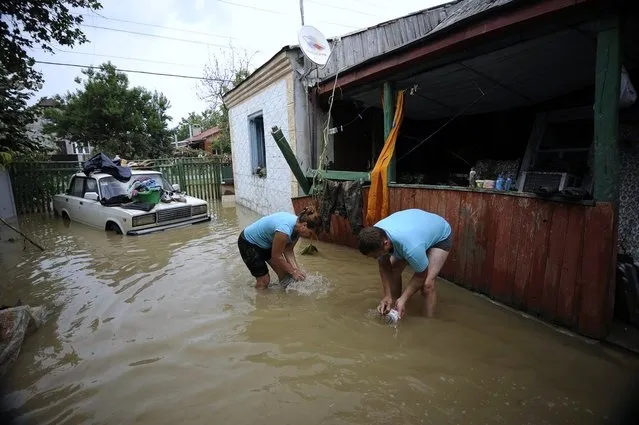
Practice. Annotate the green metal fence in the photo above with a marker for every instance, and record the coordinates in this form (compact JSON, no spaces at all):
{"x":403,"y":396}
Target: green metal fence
{"x":35,"y":183}
{"x":227,"y":173}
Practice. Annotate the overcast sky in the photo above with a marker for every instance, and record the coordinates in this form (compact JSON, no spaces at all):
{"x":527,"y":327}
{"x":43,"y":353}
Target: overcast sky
{"x":204,"y":28}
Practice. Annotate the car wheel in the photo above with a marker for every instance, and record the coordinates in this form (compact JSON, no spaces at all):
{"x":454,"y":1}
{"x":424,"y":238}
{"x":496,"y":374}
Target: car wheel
{"x":113,"y":227}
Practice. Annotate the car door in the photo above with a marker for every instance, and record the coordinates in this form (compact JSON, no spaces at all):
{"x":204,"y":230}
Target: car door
{"x":73,"y":198}
{"x":90,"y":209}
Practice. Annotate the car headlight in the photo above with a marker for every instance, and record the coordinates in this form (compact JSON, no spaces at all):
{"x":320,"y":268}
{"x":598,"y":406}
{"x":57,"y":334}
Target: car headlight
{"x":143,"y":220}
{"x":199,"y":209}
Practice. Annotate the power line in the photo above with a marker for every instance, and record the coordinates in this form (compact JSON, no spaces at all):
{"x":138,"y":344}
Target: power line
{"x":208,"y":34}
{"x":344,"y":8}
{"x":156,"y":36}
{"x":127,"y":58}
{"x":136,"y":71}
{"x":277,"y":12}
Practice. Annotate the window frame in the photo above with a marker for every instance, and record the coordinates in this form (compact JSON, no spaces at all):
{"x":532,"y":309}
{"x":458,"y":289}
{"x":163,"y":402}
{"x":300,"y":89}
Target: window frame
{"x":258,"y":159}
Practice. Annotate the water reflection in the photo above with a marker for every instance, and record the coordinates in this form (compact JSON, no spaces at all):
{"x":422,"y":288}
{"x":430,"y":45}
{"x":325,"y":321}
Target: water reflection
{"x":167,"y":328}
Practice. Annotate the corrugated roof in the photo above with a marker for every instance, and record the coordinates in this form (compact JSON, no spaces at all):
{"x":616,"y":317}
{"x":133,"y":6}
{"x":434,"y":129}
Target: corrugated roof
{"x":360,"y":46}
{"x":380,"y":40}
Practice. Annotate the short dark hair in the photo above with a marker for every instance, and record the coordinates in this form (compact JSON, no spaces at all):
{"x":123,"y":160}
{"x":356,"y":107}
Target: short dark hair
{"x":371,"y":239}
{"x":311,"y":217}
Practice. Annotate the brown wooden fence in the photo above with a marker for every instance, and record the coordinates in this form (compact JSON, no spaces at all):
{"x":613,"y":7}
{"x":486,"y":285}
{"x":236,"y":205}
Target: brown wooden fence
{"x":35,"y":183}
{"x":553,"y":260}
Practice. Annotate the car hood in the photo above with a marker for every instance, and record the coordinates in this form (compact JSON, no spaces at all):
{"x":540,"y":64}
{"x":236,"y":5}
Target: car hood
{"x":190,"y":201}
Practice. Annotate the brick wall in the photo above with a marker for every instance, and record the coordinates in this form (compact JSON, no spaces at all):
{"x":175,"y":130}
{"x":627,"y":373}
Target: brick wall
{"x":272,"y":193}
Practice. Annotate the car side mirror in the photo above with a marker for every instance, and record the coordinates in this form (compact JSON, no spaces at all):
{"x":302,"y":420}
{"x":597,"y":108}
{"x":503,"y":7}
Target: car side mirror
{"x":176,"y":187}
{"x":92,"y":196}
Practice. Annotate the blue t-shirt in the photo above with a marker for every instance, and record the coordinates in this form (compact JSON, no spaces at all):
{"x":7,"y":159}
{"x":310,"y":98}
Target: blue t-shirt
{"x":262,"y":232}
{"x":412,"y":233}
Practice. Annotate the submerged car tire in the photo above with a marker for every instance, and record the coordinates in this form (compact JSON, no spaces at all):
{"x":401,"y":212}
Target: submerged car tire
{"x":113,"y":227}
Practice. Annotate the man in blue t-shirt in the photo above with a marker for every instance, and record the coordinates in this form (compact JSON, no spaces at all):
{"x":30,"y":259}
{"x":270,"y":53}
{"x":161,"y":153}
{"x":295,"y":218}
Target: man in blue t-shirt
{"x":410,"y":237}
{"x":271,"y":240}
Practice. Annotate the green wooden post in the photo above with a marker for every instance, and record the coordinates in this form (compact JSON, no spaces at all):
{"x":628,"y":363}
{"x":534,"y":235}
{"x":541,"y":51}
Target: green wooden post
{"x":389,"y":112}
{"x":607,"y":89}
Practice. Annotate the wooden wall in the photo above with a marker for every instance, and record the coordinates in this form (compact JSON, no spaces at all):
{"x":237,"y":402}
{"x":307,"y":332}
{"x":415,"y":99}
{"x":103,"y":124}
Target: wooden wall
{"x":550,"y":259}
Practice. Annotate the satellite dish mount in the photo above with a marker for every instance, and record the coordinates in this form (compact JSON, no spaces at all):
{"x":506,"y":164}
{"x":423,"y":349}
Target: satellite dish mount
{"x":314,"y":45}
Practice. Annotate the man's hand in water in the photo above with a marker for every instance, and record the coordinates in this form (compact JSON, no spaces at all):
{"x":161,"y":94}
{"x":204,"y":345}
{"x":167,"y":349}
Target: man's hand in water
{"x":298,"y":275}
{"x":385,"y":305}
{"x":400,"y":306}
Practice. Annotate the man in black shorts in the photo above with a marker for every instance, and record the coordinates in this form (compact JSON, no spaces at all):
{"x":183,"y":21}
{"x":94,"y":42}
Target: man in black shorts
{"x":410,"y":237}
{"x":271,"y":240}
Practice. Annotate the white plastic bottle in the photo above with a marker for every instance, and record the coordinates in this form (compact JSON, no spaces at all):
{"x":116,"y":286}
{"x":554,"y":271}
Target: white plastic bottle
{"x":392,"y":317}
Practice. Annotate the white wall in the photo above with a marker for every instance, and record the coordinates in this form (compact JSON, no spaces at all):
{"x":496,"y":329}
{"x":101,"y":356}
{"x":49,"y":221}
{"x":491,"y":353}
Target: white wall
{"x":272,"y":193}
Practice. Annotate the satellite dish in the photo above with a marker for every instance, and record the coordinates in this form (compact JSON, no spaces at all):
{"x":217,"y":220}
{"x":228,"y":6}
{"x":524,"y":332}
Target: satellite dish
{"x":314,"y":45}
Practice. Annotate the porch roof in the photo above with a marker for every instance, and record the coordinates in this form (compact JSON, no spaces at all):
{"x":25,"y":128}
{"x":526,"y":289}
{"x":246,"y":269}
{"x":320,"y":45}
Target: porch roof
{"x":472,"y":20}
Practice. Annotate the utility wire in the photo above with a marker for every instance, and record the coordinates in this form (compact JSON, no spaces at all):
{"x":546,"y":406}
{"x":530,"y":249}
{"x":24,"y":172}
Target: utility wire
{"x":156,"y":36}
{"x":127,"y":58}
{"x":470,"y":105}
{"x":208,"y":34}
{"x":136,"y":71}
{"x":344,"y":8}
{"x":277,"y":12}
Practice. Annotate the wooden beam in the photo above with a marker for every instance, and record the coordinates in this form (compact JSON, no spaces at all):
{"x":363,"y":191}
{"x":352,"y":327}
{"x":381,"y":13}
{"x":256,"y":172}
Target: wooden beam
{"x":491,"y":24}
{"x":389,"y":113}
{"x":607,"y":89}
{"x":341,"y":175}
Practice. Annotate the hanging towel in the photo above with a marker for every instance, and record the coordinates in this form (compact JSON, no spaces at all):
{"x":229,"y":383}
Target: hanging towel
{"x":378,"y":199}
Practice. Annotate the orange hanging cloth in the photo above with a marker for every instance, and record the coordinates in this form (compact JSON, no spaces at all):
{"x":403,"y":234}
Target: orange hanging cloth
{"x":378,"y":198}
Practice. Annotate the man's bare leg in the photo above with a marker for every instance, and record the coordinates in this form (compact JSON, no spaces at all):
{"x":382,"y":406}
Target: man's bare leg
{"x":436,"y":259}
{"x":262,"y":282}
{"x":396,"y":284}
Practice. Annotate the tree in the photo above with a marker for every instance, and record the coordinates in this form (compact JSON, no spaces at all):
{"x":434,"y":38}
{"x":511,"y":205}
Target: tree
{"x":112,"y":117}
{"x":222,"y":74}
{"x":205,"y":120}
{"x":26,"y":24}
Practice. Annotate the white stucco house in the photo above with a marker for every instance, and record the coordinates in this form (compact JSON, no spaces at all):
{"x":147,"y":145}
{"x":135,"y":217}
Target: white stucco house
{"x":267,"y":98}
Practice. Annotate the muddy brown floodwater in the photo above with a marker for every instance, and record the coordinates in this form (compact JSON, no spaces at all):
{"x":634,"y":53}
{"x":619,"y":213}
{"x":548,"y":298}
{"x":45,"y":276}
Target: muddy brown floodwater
{"x":167,"y":329}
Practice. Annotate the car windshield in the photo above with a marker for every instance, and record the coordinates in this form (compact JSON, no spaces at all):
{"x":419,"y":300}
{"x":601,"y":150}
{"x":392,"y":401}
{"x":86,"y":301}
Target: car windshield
{"x":112,"y":188}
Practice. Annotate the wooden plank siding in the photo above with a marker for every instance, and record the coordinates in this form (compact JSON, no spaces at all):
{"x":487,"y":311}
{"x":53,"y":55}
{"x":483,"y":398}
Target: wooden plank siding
{"x":549,"y":259}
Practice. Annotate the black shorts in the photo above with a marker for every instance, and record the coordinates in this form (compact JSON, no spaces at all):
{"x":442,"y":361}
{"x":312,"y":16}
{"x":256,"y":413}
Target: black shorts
{"x":446,"y":244}
{"x":253,"y":256}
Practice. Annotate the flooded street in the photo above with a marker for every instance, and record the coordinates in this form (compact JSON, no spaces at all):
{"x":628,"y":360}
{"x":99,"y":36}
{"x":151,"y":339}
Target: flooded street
{"x":168,"y":329}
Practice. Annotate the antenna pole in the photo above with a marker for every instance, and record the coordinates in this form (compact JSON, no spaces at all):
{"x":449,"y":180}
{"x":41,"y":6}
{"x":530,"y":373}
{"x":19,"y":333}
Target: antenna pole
{"x":302,"y":11}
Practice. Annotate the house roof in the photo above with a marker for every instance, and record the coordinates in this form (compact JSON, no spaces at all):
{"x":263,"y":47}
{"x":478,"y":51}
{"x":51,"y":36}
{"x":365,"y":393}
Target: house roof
{"x":361,"y":46}
{"x":257,"y":71}
{"x":205,"y":134}
{"x":409,"y":30}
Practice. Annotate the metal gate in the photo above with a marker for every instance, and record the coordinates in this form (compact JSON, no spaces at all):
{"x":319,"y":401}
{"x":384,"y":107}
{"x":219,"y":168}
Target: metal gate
{"x":35,"y":183}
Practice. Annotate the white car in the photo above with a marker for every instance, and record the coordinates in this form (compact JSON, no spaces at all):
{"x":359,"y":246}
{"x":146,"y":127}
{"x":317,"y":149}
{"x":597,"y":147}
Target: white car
{"x":101,"y":201}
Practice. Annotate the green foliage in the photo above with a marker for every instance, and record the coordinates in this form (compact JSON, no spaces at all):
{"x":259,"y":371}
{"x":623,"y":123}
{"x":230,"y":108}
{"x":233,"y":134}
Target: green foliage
{"x":112,"y":117}
{"x":26,"y":24}
{"x":187,"y":152}
{"x":222,"y":74}
{"x":205,"y":120}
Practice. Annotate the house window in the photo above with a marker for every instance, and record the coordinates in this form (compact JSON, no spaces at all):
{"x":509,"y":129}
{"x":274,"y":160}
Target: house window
{"x":258,"y":145}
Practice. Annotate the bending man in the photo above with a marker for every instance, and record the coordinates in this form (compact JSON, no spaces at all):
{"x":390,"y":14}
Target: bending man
{"x":410,"y":237}
{"x":271,"y":240}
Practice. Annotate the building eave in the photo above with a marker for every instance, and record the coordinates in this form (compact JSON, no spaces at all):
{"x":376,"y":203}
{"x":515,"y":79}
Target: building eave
{"x":483,"y":24}
{"x":271,"y":71}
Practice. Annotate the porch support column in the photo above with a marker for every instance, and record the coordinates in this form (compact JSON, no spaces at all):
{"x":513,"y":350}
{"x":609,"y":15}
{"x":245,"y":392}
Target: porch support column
{"x":606,"y":117}
{"x":389,"y":113}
